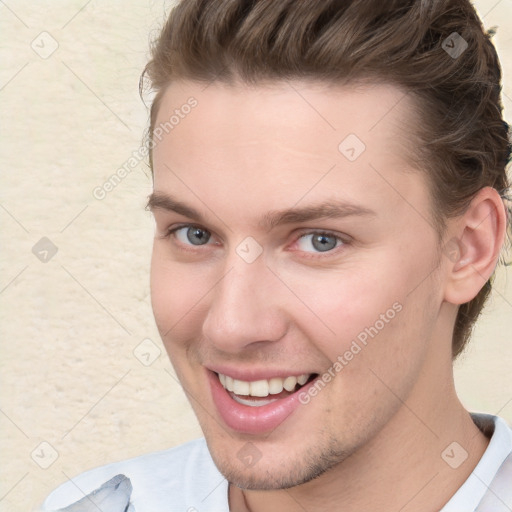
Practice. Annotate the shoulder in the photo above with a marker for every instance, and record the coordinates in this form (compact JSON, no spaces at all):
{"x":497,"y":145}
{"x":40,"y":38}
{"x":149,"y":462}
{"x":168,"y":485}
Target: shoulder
{"x":179,"y":475}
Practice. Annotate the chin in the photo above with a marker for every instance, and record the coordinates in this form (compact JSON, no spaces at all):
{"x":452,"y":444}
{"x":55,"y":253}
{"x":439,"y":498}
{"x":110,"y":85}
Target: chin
{"x":277,"y":470}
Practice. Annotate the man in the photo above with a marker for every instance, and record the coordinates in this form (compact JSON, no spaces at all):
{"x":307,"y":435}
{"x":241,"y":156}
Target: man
{"x":329,"y":184}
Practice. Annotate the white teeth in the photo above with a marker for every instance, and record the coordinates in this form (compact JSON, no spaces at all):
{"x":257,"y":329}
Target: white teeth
{"x":262,"y":388}
{"x":275,"y":386}
{"x":290,"y":383}
{"x":302,"y":379}
{"x":229,"y":383}
{"x":259,"y":388}
{"x":240,"y":387}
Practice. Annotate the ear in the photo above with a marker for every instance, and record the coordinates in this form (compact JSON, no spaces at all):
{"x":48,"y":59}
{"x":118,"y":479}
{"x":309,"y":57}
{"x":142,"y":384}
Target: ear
{"x":474,"y":247}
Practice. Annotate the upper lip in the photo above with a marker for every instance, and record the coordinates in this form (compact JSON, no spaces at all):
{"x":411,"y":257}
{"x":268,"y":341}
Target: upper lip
{"x":254,"y":374}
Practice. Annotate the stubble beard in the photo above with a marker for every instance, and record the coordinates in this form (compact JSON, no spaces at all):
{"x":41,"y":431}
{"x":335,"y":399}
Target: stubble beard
{"x":301,"y":467}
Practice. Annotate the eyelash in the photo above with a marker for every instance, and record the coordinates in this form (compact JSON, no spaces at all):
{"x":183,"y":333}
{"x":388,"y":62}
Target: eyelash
{"x":171,"y":232}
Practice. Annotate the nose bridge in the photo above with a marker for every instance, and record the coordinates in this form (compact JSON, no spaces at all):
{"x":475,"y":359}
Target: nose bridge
{"x":244,"y":307}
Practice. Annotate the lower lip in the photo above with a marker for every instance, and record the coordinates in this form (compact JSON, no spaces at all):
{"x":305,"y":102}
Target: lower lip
{"x":252,"y":420}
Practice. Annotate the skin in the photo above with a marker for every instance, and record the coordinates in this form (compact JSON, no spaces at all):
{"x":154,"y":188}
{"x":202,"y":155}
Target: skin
{"x":372,"y":438}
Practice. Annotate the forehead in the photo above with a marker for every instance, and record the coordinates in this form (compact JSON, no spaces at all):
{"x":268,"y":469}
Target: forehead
{"x":278,"y":143}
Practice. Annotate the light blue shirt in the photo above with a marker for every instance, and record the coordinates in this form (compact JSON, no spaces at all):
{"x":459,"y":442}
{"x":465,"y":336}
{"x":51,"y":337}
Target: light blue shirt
{"x":185,"y":479}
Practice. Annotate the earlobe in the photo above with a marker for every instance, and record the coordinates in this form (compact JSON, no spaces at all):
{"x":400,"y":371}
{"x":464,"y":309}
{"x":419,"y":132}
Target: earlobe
{"x":476,"y":246}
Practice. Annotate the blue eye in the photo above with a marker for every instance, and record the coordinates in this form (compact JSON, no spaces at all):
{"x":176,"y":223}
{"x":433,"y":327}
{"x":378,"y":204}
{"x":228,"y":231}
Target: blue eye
{"x":320,"y":242}
{"x":313,"y":242}
{"x":191,"y":235}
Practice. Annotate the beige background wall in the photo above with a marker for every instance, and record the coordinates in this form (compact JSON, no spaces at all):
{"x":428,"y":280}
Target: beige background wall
{"x":74,"y":376}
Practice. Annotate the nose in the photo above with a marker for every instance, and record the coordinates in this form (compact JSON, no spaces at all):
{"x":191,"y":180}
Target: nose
{"x":245,"y":308}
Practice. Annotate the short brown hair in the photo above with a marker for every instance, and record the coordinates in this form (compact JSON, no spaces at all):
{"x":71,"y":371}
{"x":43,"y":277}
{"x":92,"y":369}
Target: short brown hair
{"x":464,"y":139}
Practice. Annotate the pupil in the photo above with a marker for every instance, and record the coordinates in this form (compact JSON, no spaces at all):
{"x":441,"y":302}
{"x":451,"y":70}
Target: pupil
{"x":324,"y":242}
{"x":197,"y":236}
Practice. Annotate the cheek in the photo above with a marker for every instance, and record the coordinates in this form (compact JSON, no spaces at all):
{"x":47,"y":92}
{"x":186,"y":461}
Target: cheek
{"x":346,"y":306}
{"x":382,"y":344}
{"x":365,"y":313}
{"x":175,"y":294}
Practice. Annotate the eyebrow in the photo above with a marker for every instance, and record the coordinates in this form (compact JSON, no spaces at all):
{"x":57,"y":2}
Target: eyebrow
{"x":324,"y":210}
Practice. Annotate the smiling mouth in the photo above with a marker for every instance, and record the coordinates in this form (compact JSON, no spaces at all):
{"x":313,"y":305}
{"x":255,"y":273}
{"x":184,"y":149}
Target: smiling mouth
{"x":263,"y":392}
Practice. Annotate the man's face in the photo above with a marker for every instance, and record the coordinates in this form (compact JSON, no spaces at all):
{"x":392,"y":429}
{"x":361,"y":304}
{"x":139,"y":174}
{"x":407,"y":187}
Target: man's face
{"x":293,"y":253}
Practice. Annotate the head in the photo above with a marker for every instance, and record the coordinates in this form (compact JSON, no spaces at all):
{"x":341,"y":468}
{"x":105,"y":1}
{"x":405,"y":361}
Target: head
{"x":324,"y":201}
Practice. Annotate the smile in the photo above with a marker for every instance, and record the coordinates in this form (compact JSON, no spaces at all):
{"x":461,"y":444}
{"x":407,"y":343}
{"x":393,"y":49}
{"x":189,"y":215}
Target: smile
{"x":257,"y":406}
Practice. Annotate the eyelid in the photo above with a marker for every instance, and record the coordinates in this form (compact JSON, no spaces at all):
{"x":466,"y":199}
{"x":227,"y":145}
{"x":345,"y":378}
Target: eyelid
{"x":175,"y":228}
{"x":319,"y":231}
